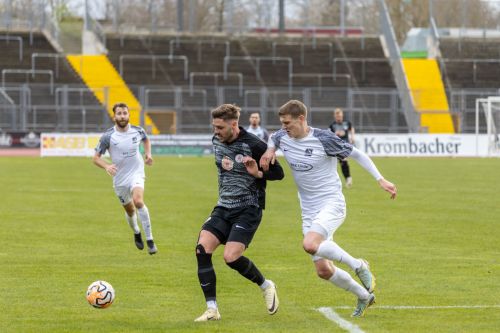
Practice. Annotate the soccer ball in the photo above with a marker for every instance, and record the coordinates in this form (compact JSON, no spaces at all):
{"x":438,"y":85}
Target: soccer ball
{"x":100,"y":294}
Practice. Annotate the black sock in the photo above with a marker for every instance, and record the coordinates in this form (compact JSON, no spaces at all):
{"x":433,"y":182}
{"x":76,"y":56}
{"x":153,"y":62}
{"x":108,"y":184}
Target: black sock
{"x":246,"y":267}
{"x":206,"y":273}
{"x":345,"y":169}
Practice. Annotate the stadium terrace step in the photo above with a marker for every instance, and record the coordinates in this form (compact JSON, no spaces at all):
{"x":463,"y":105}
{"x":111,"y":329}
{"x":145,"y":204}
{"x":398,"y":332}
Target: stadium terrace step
{"x":429,"y":97}
{"x":100,"y":75}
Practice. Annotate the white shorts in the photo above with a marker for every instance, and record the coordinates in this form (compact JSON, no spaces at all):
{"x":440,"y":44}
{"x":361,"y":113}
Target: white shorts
{"x":124,"y":192}
{"x":325,"y":222}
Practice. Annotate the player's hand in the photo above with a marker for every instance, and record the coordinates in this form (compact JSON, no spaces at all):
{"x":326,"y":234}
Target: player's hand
{"x":111,"y":169}
{"x":389,"y":187}
{"x":148,"y":159}
{"x":269,"y":157}
{"x":251,"y":165}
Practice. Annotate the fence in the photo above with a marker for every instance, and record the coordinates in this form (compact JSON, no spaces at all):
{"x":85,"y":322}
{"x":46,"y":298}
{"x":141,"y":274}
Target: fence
{"x":74,"y":108}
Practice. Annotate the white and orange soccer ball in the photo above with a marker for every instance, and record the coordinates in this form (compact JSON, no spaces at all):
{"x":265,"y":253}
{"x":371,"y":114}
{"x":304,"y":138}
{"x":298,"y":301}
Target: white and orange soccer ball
{"x":100,"y":294}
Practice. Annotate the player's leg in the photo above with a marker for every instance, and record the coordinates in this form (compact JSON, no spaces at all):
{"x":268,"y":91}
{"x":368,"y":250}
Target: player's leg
{"x":131,"y":216}
{"x":340,"y":278}
{"x":246,"y":221}
{"x":207,"y":243}
{"x":346,"y":172}
{"x":143,"y":212}
{"x":214,"y":232}
{"x":124,"y":195}
{"x":318,"y":241}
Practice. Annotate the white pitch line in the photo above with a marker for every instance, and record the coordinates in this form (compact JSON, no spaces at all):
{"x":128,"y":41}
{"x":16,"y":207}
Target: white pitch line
{"x":421,"y":307}
{"x":346,"y":325}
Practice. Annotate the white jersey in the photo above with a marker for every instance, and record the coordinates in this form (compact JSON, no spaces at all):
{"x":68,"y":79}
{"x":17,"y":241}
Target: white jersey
{"x":313,"y":160}
{"x":124,"y":150}
{"x":259,"y":132}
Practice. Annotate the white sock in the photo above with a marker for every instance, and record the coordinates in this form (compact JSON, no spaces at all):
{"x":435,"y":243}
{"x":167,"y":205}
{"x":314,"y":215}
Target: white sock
{"x":146,"y":223}
{"x":330,"y":250}
{"x":343,"y":280}
{"x":132,"y":222}
{"x":265,"y":284}
{"x":212,"y":304}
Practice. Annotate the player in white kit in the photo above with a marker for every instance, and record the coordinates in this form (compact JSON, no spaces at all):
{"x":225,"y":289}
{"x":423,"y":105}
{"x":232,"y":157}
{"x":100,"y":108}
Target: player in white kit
{"x":312,"y":155}
{"x":127,"y":169}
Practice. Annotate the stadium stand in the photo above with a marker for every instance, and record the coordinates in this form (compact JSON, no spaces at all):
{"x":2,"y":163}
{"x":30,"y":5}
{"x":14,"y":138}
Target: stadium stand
{"x":471,"y":70}
{"x":219,"y":69}
{"x":471,"y":62}
{"x":38,"y":78}
{"x":159,"y":59}
{"x":177,"y":79}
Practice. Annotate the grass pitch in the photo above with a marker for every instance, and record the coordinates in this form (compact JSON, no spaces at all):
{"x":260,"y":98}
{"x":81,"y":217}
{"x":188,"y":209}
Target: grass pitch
{"x":61,"y":227}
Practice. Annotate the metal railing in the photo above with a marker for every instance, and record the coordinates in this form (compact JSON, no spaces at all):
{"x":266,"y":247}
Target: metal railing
{"x":463,"y":101}
{"x":177,"y":42}
{"x":56,"y":56}
{"x":320,"y":77}
{"x":473,"y":62}
{"x":302,"y":51}
{"x":16,"y":109}
{"x":97,"y":29}
{"x":412,"y":118}
{"x":6,"y":96}
{"x":32,"y":72}
{"x":363,"y":62}
{"x":153,"y":59}
{"x":216,"y":75}
{"x":177,"y":105}
{"x":17,"y":39}
{"x":258,"y":60}
{"x":370,"y":109}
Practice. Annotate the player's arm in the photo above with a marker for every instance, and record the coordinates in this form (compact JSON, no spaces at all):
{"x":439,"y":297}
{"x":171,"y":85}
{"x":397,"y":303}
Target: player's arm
{"x":110,"y":168}
{"x":268,"y":158}
{"x":99,"y":151}
{"x":148,"y":159}
{"x":351,"y":135}
{"x":366,"y":162}
{"x":274,"y":170}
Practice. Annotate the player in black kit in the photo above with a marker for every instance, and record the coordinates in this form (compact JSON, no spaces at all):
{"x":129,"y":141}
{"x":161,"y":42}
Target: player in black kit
{"x":237,"y":215}
{"x":344,"y":130}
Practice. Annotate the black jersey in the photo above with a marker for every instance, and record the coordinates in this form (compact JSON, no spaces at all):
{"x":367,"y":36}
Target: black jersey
{"x":341,"y":129}
{"x":237,"y":188}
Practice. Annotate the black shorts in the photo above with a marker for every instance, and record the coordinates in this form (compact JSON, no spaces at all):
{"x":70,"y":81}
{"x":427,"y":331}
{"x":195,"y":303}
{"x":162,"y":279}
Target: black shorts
{"x":234,"y":224}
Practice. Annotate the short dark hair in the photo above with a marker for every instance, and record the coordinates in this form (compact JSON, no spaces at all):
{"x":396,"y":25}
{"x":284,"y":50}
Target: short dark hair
{"x":294,"y":108}
{"x":226,"y":112}
{"x":119,"y":105}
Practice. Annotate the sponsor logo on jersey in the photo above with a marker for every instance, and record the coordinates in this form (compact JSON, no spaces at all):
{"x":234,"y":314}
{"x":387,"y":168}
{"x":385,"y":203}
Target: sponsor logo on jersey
{"x":309,"y":152}
{"x":238,"y":158}
{"x":227,"y":163}
{"x":300,"y":166}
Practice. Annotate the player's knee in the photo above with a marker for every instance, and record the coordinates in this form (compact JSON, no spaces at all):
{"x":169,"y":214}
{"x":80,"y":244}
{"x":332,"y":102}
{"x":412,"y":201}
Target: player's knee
{"x":200,"y":249}
{"x":231,"y":256}
{"x":324,"y":273}
{"x":310,"y":246}
{"x":139,"y":203}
